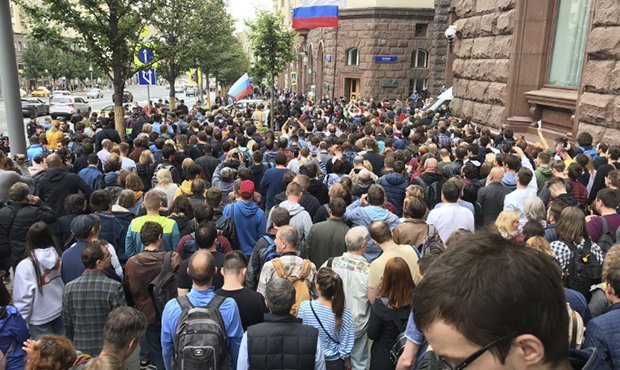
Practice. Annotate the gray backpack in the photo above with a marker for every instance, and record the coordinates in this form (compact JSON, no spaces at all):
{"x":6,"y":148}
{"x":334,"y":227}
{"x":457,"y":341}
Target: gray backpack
{"x":200,"y":339}
{"x":606,"y":240}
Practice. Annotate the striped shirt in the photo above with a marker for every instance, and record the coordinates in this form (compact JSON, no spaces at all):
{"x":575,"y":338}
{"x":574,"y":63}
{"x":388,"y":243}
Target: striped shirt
{"x":345,"y":335}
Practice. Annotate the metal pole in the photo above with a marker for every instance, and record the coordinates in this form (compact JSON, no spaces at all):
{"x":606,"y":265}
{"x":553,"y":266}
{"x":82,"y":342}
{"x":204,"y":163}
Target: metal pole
{"x":148,"y":97}
{"x":335,"y":64}
{"x":10,"y":82}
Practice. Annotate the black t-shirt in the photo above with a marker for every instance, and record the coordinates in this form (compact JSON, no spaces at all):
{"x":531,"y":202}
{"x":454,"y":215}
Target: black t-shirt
{"x":184,"y":281}
{"x":251,"y":305}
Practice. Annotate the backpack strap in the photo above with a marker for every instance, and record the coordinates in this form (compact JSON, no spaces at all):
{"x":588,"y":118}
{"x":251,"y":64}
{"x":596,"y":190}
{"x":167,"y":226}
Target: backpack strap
{"x":167,"y":266}
{"x":184,"y":303}
{"x":277,"y":264}
{"x":321,"y":324}
{"x":216,"y":302}
{"x":330,"y":261}
{"x":268,"y":239}
{"x":305,"y":270}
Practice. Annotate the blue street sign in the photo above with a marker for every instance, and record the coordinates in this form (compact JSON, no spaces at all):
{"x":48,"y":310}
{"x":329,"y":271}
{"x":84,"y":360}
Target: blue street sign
{"x":147,"y":77}
{"x":145,"y":55}
{"x":386,"y":59}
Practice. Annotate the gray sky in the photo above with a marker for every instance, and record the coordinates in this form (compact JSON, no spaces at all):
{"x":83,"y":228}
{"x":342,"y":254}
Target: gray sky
{"x":243,"y":10}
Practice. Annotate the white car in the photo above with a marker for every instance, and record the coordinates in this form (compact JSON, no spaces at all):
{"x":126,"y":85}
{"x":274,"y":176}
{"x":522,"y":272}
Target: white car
{"x":67,"y":105}
{"x":243,"y":103}
{"x":94,"y":93}
{"x":441,"y":104}
{"x":61,"y":92}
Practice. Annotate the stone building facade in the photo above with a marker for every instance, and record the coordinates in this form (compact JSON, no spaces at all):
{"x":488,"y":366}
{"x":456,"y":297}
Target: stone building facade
{"x":518,"y":61}
{"x":374,"y":51}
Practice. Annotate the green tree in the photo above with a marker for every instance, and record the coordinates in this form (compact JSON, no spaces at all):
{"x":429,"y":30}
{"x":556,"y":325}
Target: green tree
{"x":233,"y":62}
{"x":173,"y":37}
{"x":272,"y":45}
{"x":108,"y":29}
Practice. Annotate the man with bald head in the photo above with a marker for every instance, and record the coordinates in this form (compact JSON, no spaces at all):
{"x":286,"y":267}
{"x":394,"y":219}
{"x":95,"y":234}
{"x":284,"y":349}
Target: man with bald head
{"x":430,"y":180}
{"x":491,"y":196}
{"x":201,"y":268}
{"x":54,"y":184}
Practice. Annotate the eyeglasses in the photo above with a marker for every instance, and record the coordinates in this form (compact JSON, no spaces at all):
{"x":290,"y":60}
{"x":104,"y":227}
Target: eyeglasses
{"x":473,"y":357}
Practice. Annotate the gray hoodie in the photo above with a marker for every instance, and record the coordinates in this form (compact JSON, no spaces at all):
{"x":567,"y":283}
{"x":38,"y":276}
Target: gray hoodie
{"x":36,"y":306}
{"x":300,"y":220}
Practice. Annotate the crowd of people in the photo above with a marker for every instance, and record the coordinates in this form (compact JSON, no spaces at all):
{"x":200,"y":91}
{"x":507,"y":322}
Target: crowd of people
{"x":364,"y":234}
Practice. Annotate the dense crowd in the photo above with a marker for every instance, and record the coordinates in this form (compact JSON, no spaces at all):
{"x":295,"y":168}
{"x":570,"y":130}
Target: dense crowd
{"x":364,"y":234}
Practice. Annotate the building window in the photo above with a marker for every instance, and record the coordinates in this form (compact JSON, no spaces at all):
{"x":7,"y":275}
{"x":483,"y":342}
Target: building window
{"x":419,"y":58}
{"x":569,"y":43}
{"x":417,"y":84}
{"x":420,"y":29}
{"x":353,"y":57}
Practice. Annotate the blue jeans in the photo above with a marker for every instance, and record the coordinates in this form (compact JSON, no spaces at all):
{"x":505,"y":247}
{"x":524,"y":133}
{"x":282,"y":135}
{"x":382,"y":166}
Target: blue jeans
{"x":150,"y":347}
{"x":55,"y":326}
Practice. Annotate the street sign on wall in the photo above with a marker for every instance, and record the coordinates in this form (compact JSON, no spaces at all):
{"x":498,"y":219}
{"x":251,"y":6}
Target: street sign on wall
{"x":386,"y":59}
{"x":147,"y":77}
{"x":293,"y":78}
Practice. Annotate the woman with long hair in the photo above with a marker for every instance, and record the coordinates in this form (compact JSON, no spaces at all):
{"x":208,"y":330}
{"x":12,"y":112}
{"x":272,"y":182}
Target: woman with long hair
{"x":165,"y":185}
{"x":38,"y":287}
{"x":13,"y":332}
{"x":143,"y":168}
{"x":134,"y":183}
{"x":182,"y":212}
{"x":390,"y":312}
{"x":572,"y":233}
{"x":328,"y":314}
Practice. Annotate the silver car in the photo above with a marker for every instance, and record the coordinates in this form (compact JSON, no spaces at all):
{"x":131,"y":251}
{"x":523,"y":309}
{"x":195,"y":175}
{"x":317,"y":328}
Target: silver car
{"x":67,"y":105}
{"x":94,"y":93}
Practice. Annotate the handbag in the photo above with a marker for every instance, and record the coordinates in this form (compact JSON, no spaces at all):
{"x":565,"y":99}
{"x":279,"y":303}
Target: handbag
{"x":321,"y":324}
{"x":398,"y":346}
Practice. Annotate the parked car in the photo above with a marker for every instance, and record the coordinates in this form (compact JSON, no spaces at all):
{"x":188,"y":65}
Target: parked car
{"x":67,"y":105}
{"x":40,"y":92}
{"x":107,"y":109}
{"x":191,"y":91}
{"x":61,"y":92}
{"x":94,"y":93}
{"x":29,"y":109}
{"x":127,"y":96}
{"x":43,"y":108}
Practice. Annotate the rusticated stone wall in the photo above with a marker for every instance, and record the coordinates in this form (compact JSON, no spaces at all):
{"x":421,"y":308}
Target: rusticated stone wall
{"x":375,"y":32}
{"x":599,"y":103}
{"x":483,"y":50}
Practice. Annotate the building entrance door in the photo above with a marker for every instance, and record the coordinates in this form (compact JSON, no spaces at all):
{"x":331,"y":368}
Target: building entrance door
{"x":352,"y":87}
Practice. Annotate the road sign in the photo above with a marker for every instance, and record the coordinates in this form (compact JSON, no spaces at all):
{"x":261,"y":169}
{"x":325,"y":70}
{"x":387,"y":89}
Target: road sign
{"x":293,"y":78}
{"x":146,"y":33}
{"x":147,"y":77}
{"x":144,"y":56}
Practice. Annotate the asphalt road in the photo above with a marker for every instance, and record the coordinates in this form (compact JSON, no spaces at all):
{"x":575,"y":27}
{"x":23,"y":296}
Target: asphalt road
{"x":140,"y":94}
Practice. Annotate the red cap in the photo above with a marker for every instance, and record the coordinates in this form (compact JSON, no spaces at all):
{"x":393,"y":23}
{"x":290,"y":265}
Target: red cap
{"x":246,"y":189}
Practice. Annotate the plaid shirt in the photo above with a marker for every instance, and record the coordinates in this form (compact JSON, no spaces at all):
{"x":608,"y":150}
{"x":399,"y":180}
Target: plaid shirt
{"x":87,"y":301}
{"x":444,"y":139}
{"x":562,"y":253}
{"x":292,"y":266}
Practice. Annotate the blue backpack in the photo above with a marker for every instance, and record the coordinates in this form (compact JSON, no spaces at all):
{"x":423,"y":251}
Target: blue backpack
{"x":270,"y":252}
{"x":190,"y":247}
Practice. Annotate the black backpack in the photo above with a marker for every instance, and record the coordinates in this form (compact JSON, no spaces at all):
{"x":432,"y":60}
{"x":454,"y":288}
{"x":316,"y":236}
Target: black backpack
{"x":584,"y":269}
{"x":226,"y":227}
{"x":606,"y":240}
{"x":200,"y":339}
{"x":164,"y":287}
{"x":432,"y":246}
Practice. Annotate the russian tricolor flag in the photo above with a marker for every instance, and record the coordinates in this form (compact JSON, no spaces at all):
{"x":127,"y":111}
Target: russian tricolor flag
{"x":241,"y":88}
{"x":316,"y":13}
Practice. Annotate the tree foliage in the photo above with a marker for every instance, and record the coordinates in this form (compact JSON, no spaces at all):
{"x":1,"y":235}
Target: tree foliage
{"x":272,"y":46}
{"x":40,"y":57}
{"x":109,"y":29}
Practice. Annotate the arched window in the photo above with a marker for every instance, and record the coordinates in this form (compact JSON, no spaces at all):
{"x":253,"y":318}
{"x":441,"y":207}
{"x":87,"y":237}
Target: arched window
{"x":353,"y":57}
{"x":419,"y":58}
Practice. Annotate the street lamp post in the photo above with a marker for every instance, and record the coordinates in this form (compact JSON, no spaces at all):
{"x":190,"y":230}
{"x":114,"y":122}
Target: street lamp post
{"x":10,"y":82}
{"x":90,"y":69}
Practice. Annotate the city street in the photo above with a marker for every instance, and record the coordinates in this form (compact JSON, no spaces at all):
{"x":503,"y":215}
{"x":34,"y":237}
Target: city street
{"x":140,"y":95}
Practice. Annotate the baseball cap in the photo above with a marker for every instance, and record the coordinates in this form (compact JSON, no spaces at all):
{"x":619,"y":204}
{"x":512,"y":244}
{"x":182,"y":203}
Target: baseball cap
{"x":82,"y":224}
{"x":246,"y":189}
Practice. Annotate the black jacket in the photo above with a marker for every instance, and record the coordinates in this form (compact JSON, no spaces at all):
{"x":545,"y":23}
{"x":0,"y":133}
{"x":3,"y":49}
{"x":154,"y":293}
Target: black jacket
{"x":15,"y":220}
{"x":208,"y":163}
{"x":106,"y":133}
{"x":54,"y":185}
{"x":452,"y":169}
{"x":282,"y":342}
{"x":376,"y":160}
{"x":319,"y":190}
{"x":491,"y":200}
{"x":257,"y":260}
{"x":383,"y":331}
